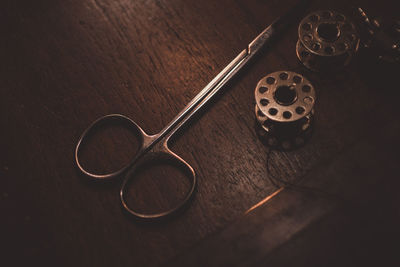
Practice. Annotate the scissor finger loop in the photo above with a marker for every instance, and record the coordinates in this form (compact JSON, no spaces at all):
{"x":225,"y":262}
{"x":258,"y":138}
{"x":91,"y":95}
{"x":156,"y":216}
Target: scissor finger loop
{"x":144,"y":140}
{"x":159,"y":153}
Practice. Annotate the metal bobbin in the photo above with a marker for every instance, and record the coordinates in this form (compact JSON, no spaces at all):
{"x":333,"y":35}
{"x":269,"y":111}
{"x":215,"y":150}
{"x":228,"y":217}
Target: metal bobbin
{"x":327,"y":41}
{"x":284,"y":109}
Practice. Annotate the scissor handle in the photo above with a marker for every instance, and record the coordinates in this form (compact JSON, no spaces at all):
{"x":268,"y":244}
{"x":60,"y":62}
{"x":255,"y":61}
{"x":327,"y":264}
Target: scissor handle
{"x":144,"y":139}
{"x":159,"y":153}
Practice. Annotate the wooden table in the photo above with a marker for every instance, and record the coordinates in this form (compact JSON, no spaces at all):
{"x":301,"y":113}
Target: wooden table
{"x":65,"y":63}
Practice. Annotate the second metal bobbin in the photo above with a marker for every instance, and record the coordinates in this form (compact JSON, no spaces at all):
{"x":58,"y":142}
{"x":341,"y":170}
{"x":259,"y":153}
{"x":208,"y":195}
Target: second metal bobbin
{"x":327,"y":41}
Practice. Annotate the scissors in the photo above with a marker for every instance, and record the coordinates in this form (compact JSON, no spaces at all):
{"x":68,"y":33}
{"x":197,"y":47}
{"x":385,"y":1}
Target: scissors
{"x":155,"y":147}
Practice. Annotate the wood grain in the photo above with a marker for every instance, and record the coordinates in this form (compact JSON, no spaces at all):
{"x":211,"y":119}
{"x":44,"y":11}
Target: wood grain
{"x":65,"y":63}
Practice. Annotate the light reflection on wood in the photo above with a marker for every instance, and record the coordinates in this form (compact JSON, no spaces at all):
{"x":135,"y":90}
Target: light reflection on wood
{"x":265,"y":200}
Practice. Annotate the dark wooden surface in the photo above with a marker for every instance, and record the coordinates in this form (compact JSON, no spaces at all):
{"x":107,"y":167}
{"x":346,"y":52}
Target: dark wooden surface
{"x":65,"y":63}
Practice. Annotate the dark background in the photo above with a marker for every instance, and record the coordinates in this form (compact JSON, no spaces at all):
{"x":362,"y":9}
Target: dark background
{"x":65,"y":63}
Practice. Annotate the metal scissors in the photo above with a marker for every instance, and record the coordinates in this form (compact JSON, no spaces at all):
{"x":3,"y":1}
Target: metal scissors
{"x":155,"y":147}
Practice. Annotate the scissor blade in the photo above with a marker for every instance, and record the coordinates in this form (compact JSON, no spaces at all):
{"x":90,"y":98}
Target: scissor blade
{"x":277,"y":26}
{"x":230,"y":70}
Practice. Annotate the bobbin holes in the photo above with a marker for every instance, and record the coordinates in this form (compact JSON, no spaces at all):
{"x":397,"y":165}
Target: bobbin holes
{"x":264,"y":102}
{"x":270,"y":80}
{"x":316,"y":46}
{"x":283,"y":76}
{"x":287,"y":114}
{"x":297,"y":79}
{"x":308,"y":100}
{"x":306,"y":88}
{"x":273,"y":111}
{"x":300,"y":110}
{"x":262,"y":89}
